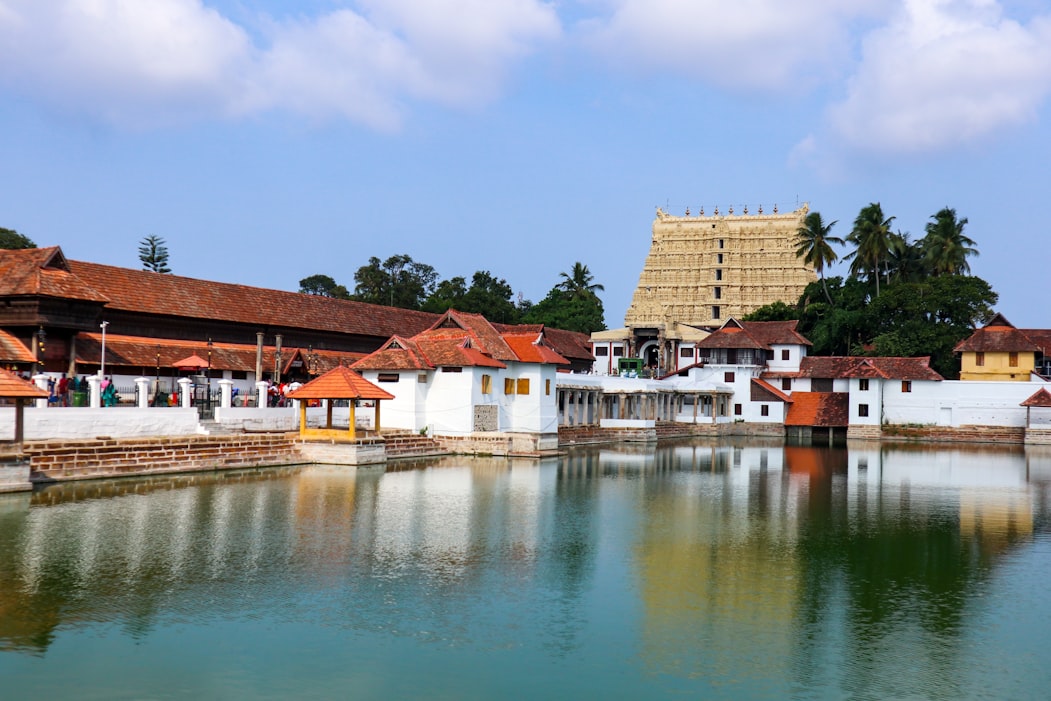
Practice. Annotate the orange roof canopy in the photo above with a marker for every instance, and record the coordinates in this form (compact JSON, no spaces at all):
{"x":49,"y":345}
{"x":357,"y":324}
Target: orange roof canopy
{"x":12,"y":385}
{"x":340,"y":383}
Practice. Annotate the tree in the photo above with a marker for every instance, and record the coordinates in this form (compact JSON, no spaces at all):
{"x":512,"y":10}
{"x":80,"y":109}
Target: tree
{"x":12,"y":240}
{"x":490,"y":297}
{"x":945,"y":247}
{"x":578,"y":282}
{"x":398,"y":281}
{"x":448,"y":294}
{"x":323,"y":286}
{"x":561,"y":310}
{"x":871,"y":238}
{"x":154,"y":254}
{"x":813,"y":245}
{"x":904,"y":259}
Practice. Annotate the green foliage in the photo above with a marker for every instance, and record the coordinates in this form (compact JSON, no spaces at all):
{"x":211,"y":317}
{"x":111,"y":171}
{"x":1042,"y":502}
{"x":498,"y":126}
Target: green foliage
{"x":871,"y":237}
{"x":398,"y":281}
{"x":561,"y":310}
{"x":448,"y":294}
{"x":945,"y":248}
{"x":323,"y":286}
{"x":775,"y":311}
{"x":12,"y":240}
{"x":814,"y":244}
{"x":154,"y":254}
{"x":490,"y":297}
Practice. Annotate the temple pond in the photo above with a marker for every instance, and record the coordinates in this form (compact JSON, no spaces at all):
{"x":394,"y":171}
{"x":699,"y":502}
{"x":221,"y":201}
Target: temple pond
{"x":693,"y":570}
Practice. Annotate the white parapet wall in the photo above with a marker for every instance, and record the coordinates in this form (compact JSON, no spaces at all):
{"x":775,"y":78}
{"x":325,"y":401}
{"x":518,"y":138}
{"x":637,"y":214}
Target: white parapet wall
{"x":111,"y":422}
{"x":962,"y":403}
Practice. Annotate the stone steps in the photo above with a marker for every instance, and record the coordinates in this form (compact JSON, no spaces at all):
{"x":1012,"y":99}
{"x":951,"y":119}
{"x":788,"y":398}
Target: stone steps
{"x":404,"y":445}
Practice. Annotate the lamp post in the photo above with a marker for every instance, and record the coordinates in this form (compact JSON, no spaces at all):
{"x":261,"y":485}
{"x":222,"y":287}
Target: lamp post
{"x":102,"y":364}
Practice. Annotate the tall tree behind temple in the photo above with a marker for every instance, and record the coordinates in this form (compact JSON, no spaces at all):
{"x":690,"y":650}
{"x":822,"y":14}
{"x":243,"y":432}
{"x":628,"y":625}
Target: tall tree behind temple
{"x":398,"y":281}
{"x":814,"y":245}
{"x":871,"y":237}
{"x":945,"y":248}
{"x":154,"y":254}
{"x":572,"y":304}
{"x":323,"y":286}
{"x":11,"y":240}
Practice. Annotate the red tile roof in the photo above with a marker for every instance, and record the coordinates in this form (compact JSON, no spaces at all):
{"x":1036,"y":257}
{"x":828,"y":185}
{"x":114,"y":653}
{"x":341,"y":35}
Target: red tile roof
{"x":821,"y":409}
{"x":531,"y":348}
{"x":174,"y":296}
{"x":1000,"y":336}
{"x":843,"y":367}
{"x":340,"y":383}
{"x":766,"y":392}
{"x":754,"y":334}
{"x":43,"y":272}
{"x":13,"y":386}
{"x":1041,"y":398}
{"x":13,"y":351}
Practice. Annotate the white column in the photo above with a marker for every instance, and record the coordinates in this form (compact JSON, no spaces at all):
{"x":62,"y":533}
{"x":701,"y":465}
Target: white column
{"x":142,"y":385}
{"x":260,"y":393}
{"x":226,"y":393}
{"x":41,"y":382}
{"x":94,"y":382}
{"x":184,"y":392}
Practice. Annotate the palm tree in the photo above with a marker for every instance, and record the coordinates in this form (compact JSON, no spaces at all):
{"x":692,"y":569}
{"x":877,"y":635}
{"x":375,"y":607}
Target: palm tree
{"x":813,"y":245}
{"x":579,"y":282}
{"x":945,"y":248}
{"x":904,"y":259}
{"x":871,"y":237}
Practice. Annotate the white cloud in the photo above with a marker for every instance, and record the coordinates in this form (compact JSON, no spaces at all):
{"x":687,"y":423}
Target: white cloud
{"x":941,"y":74}
{"x":744,"y":44}
{"x":144,"y":63}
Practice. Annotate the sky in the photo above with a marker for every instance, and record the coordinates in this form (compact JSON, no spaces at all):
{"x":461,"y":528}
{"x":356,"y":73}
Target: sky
{"x":267,"y":141}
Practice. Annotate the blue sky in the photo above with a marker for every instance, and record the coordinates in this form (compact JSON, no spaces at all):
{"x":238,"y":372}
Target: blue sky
{"x":266,"y":144}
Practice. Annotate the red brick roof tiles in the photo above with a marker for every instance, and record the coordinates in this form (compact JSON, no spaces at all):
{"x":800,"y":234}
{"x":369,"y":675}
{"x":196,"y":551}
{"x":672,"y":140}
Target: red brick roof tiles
{"x":766,"y":392}
{"x":754,"y":334}
{"x":1041,"y":398}
{"x":843,"y":367}
{"x":340,"y":383}
{"x":13,"y":386}
{"x":821,"y":409}
{"x":43,"y":272}
{"x":13,"y":351}
{"x":530,"y":348}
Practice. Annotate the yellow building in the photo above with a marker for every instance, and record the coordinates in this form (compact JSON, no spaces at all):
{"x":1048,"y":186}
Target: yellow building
{"x":702,"y":270}
{"x":1000,"y":352}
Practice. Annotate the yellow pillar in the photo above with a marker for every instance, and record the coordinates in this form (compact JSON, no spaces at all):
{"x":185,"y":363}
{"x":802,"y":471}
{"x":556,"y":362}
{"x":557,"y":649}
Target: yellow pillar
{"x":353,"y":420}
{"x":302,"y":416}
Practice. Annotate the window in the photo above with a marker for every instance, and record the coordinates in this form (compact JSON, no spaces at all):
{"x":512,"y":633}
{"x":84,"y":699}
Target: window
{"x":737,"y":409}
{"x":509,"y":385}
{"x":547,"y":387}
{"x":785,"y":354}
{"x":686,"y":352}
{"x":487,"y":384}
{"x":728,"y":377}
{"x":422,"y":378}
{"x":718,"y":273}
{"x":786,"y":383}
{"x":388,"y":377}
{"x":1012,"y":359}
{"x":715,"y":312}
{"x":979,"y":358}
{"x":718,"y":292}
{"x":722,"y":243}
{"x":906,"y":385}
{"x":863,"y":385}
{"x":451,"y":368}
{"x":601,"y":351}
{"x":618,"y":351}
{"x":719,"y":258}
{"x":764,"y":410}
{"x":239,"y":375}
{"x":523,"y":386}
{"x":863,"y":410}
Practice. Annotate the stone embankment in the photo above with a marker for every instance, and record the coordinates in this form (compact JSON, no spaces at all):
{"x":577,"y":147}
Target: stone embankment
{"x":663,"y":430}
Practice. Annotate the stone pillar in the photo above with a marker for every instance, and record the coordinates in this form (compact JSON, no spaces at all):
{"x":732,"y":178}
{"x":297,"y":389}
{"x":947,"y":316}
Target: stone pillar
{"x":41,"y":382}
{"x":260,"y":393}
{"x":142,"y":392}
{"x":184,"y":392}
{"x":226,"y":393}
{"x":94,"y":382}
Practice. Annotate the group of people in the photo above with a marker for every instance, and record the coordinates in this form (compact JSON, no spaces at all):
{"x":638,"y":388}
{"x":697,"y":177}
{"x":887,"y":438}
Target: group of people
{"x":277,"y":393}
{"x":62,"y":391}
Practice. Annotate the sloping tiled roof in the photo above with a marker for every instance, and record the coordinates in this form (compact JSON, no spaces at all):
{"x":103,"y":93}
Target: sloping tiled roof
{"x":13,"y":351}
{"x":396,"y":354}
{"x":731,"y":337}
{"x":1041,"y":398}
{"x":843,"y":367}
{"x":43,"y":272}
{"x":821,"y":409}
{"x":993,"y":339}
{"x":766,"y":392}
{"x":340,"y":383}
{"x":147,"y":292}
{"x":531,"y":348}
{"x":13,"y":386}
{"x":453,"y":324}
{"x":779,"y":332}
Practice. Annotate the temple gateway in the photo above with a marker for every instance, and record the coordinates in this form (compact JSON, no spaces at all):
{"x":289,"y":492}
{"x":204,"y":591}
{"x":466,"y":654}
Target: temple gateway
{"x":702,"y":270}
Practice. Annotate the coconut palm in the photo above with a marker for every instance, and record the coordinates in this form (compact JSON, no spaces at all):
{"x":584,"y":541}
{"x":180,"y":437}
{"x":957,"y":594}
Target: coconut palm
{"x":904,"y":259}
{"x":578,"y":282}
{"x":871,"y":237}
{"x":945,"y":248}
{"x":813,"y":245}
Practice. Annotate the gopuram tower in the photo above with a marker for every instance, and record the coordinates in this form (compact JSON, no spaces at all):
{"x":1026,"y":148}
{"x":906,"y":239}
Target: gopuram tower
{"x":702,"y":270}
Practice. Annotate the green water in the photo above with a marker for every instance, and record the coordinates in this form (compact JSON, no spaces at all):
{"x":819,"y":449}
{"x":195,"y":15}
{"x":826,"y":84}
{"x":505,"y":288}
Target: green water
{"x":692,"y":571}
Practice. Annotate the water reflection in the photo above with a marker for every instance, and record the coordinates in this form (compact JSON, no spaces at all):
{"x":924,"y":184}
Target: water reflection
{"x":751,"y":569}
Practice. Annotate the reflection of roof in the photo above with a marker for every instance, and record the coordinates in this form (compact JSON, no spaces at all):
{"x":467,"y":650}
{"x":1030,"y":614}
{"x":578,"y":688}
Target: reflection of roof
{"x":12,"y":350}
{"x":822,"y":409}
{"x":843,"y":367}
{"x":1041,"y":398}
{"x":13,"y":386}
{"x":340,"y":383}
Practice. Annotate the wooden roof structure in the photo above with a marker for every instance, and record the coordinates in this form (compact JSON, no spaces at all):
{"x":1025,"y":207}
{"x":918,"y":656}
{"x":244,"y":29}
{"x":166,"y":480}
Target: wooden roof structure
{"x":337,"y":383}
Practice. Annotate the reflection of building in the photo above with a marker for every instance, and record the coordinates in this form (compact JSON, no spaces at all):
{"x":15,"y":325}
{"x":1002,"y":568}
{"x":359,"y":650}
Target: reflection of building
{"x":702,"y":270}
